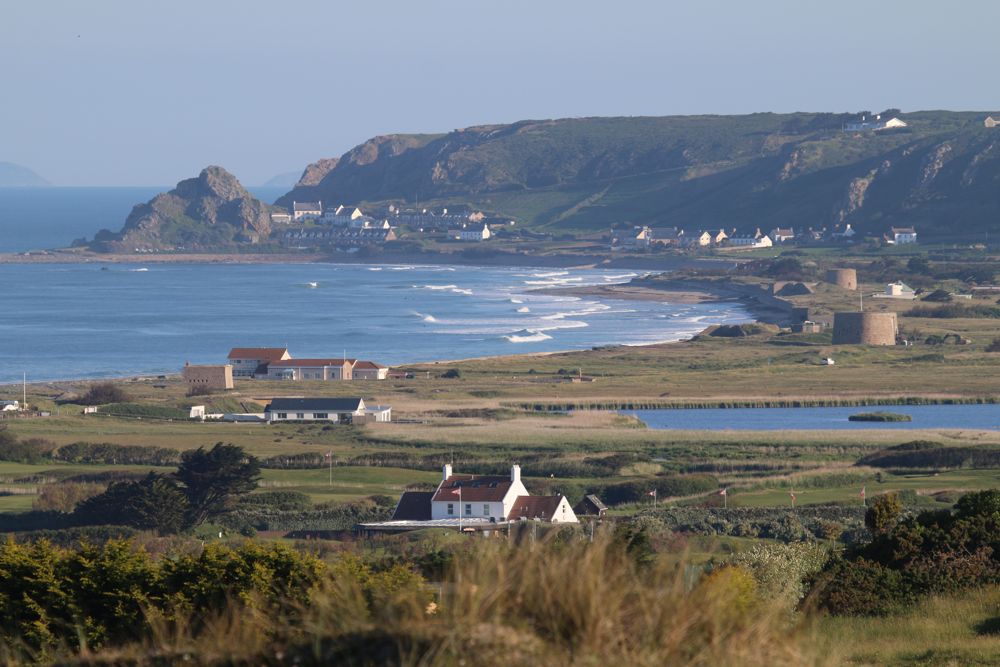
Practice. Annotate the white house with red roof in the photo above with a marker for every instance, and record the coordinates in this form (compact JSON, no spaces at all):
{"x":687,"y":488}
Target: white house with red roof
{"x":369,"y":370}
{"x":472,"y":496}
{"x":475,"y":502}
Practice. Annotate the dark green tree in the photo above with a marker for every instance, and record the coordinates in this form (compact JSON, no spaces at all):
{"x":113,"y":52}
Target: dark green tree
{"x":213,"y":478}
{"x":979,"y":504}
{"x":152,"y":503}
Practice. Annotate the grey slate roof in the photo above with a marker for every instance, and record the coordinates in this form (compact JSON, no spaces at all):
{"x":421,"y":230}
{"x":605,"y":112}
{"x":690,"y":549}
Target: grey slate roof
{"x":314,"y":405}
{"x":413,"y":506}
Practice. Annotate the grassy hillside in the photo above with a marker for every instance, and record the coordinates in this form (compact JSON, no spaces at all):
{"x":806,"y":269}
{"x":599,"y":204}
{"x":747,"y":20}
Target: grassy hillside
{"x":941,"y":173}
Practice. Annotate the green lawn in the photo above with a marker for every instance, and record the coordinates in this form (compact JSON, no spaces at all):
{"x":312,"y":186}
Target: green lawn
{"x":958,"y":480}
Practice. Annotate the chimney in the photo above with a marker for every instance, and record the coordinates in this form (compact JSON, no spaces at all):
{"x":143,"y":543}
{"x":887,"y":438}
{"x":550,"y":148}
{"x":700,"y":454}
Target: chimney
{"x":515,"y":473}
{"x":446,"y":472}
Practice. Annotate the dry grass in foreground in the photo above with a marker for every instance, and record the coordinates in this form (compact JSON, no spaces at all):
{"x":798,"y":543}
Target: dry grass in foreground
{"x":551,"y":603}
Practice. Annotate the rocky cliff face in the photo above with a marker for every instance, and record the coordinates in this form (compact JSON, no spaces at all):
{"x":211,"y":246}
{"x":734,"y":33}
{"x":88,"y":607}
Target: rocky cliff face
{"x":941,"y":173}
{"x":317,"y":171}
{"x":212,"y":210}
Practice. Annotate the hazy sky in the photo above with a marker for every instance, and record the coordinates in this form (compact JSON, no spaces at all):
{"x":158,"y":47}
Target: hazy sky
{"x":125,"y":92}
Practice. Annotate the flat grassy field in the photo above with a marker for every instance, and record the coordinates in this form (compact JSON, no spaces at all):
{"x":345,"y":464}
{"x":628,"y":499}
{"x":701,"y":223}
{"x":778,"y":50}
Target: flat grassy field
{"x":945,"y":630}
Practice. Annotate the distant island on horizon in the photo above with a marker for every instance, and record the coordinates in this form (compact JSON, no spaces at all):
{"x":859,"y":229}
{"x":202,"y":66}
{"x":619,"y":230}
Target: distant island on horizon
{"x":18,"y":176}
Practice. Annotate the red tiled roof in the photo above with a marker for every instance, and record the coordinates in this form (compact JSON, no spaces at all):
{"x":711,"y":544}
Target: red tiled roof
{"x":262,"y":353}
{"x":368,"y":365}
{"x":475,"y":489}
{"x":530,"y":507}
{"x":312,"y":363}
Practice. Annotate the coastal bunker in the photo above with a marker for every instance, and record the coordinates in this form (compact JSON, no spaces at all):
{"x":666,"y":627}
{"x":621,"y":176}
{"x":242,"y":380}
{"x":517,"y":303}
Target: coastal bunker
{"x":211,"y":377}
{"x":846,"y":278}
{"x":864,"y":328}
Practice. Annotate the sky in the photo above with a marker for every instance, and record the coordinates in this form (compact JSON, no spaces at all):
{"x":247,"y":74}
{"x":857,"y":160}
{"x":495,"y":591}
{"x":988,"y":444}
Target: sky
{"x":124,"y":92}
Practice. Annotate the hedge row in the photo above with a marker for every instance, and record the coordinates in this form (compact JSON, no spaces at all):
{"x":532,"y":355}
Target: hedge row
{"x":785,"y":524}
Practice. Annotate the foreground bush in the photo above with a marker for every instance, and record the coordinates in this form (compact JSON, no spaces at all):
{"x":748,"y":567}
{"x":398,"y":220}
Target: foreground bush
{"x":552,"y":602}
{"x":95,"y":596}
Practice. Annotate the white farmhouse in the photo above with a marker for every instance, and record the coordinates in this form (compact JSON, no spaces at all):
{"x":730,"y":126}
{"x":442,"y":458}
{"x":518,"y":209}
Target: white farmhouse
{"x":338,"y":410}
{"x":750,"y":241}
{"x":342,"y":215}
{"x":868,"y":124}
{"x":477,"y":232}
{"x":780,"y":235}
{"x":306,"y":210}
{"x":903,"y":235}
{"x":475,"y":502}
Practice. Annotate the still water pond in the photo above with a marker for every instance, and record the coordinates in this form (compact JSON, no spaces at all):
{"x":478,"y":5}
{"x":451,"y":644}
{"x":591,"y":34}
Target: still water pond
{"x":973,"y":417}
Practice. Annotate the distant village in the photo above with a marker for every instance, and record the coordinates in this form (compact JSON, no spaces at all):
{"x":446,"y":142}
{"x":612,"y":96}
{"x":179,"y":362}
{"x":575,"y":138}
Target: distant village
{"x":349,"y":228}
{"x":643,"y":237}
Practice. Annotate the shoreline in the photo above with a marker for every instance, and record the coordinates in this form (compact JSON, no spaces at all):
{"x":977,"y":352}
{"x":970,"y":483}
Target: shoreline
{"x":487,"y":257}
{"x":764,"y":307}
{"x":677,"y":291}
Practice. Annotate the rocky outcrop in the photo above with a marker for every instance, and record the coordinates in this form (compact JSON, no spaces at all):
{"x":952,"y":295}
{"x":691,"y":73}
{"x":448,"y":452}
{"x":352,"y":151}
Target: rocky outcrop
{"x":317,"y":171}
{"x":212,"y":210}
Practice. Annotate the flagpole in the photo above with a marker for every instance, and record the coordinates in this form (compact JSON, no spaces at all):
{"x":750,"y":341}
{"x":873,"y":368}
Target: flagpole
{"x":460,"y":508}
{"x":330,"y":456}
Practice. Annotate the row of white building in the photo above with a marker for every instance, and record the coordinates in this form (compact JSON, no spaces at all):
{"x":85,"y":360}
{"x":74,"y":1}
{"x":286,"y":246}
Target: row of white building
{"x":350,"y":223}
{"x":645,"y":236}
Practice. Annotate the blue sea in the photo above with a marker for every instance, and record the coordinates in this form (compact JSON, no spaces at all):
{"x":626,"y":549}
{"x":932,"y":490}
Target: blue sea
{"x":67,"y":321}
{"x":44,"y":218}
{"x":60,"y":321}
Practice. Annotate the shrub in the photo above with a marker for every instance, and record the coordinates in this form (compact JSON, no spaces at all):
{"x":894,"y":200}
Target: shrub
{"x":113,"y":593}
{"x":994,"y":345}
{"x":781,"y":570}
{"x":955,"y":310}
{"x":278,"y":500}
{"x":452,"y":373}
{"x":863,"y":588}
{"x":32,"y":450}
{"x":65,"y":496}
{"x":112,"y":454}
{"x":936,"y":551}
{"x":103,"y":393}
{"x":883,"y":514}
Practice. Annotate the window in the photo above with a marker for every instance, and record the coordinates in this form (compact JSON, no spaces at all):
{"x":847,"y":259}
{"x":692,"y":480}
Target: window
{"x":468,"y":509}
{"x":300,"y":415}
{"x":282,"y":415}
{"x":451,"y":509}
{"x":486,"y":509}
{"x":321,"y":415}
